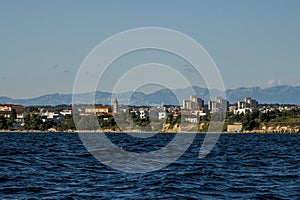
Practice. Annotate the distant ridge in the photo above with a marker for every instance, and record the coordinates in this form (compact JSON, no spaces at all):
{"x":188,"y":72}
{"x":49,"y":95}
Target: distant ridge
{"x":278,"y":94}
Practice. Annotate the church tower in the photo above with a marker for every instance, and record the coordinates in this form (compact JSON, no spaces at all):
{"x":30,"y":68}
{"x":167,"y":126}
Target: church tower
{"x":116,"y":105}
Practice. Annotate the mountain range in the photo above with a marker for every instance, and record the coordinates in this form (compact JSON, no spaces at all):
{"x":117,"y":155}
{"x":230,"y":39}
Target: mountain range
{"x":277,"y":94}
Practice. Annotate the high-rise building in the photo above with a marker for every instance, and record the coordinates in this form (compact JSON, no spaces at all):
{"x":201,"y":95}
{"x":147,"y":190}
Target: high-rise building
{"x":253,"y":104}
{"x":219,"y":104}
{"x":248,"y":103}
{"x":242,"y":104}
{"x":186,"y":104}
{"x":212,"y":106}
{"x":193,"y":104}
{"x":223,"y":103}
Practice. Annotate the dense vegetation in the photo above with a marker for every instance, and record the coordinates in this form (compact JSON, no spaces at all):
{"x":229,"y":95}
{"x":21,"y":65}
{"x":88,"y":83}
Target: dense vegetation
{"x":255,"y":120}
{"x":34,"y":122}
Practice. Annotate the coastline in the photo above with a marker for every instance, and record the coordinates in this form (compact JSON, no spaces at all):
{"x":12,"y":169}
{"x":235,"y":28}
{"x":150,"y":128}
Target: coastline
{"x":149,"y":132}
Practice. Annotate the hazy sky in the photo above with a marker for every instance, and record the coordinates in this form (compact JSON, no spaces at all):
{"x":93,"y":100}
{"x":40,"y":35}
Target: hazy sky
{"x":43,"y":43}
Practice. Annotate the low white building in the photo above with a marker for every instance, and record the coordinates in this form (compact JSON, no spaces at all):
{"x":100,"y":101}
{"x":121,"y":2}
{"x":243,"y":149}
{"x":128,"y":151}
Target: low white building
{"x":242,"y":110}
{"x":51,"y":116}
{"x":66,"y":112}
{"x":200,"y":113}
{"x":193,"y":120}
{"x":143,"y":114}
{"x":162,"y":115}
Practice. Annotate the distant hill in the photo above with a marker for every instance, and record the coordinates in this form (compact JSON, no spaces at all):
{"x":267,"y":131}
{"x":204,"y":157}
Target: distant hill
{"x":277,"y":94}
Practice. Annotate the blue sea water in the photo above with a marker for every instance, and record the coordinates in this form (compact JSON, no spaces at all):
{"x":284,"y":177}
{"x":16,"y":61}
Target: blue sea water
{"x":241,"y":166}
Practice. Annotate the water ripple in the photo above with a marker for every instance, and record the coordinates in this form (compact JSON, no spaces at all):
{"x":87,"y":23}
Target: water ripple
{"x":57,"y":166}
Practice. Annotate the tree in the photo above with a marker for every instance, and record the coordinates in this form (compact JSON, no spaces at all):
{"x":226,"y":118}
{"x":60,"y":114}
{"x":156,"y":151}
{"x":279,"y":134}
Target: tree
{"x":33,"y":122}
{"x":9,"y":122}
{"x":88,"y":122}
{"x":14,"y":115}
{"x":27,"y":122}
{"x":67,"y":124}
{"x":3,"y":124}
{"x":248,"y":122}
{"x":264,"y":117}
{"x":138,"y":121}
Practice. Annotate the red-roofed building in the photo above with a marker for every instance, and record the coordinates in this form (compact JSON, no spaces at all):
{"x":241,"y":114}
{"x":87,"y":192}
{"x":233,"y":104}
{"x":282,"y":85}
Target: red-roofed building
{"x":8,"y":110}
{"x":98,"y":110}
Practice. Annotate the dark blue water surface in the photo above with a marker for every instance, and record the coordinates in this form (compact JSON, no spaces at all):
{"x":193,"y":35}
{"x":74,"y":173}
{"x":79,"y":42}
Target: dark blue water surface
{"x":241,"y":166}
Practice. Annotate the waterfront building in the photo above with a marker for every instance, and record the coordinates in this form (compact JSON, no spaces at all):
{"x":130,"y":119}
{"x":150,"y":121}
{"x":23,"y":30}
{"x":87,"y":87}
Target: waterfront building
{"x":12,"y":110}
{"x":234,"y":128}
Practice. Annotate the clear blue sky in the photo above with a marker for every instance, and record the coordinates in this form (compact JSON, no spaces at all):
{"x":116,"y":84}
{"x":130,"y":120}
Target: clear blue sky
{"x":43,"y":43}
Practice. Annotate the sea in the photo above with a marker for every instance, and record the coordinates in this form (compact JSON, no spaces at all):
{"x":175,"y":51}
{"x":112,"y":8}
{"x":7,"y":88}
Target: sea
{"x":240,"y":166}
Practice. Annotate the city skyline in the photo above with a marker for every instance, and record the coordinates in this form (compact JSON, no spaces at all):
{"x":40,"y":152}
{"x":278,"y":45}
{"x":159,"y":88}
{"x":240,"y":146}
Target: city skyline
{"x":253,"y":43}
